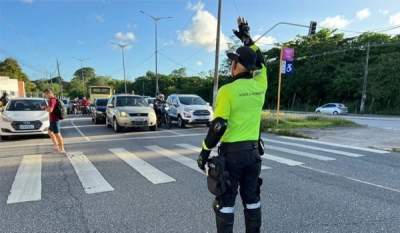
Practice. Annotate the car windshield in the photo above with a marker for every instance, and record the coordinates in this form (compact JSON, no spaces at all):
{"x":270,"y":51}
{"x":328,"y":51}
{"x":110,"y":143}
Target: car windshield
{"x":191,"y":100}
{"x":101,"y":102}
{"x":131,"y":101}
{"x":65,"y":101}
{"x":26,"y":105}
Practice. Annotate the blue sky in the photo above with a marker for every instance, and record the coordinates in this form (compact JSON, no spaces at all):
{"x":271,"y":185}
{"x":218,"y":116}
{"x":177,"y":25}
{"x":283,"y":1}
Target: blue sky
{"x":37,"y":32}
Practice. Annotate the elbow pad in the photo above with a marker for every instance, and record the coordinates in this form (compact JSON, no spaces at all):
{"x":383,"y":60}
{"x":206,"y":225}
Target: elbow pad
{"x":217,"y":129}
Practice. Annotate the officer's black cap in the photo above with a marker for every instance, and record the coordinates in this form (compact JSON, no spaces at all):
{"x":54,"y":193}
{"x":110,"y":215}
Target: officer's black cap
{"x":245,"y":56}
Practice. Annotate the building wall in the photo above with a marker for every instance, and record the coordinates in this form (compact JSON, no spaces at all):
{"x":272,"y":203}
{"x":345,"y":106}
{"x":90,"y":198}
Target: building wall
{"x":12,"y":86}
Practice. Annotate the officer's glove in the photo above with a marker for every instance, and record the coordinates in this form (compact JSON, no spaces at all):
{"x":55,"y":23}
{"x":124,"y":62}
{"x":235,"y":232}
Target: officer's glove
{"x":202,"y":160}
{"x":244,"y":32}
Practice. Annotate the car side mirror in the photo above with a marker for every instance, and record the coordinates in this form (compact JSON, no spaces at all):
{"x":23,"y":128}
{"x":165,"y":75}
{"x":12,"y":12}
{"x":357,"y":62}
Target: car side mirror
{"x":208,"y":104}
{"x":151,"y":105}
{"x":110,"y":105}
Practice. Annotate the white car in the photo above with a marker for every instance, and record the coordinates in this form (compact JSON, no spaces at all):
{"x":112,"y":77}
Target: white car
{"x":189,"y":109}
{"x":23,"y":116}
{"x":332,"y":108}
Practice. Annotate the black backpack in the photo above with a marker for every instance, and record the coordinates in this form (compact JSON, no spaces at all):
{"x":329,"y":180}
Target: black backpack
{"x":60,"y":110}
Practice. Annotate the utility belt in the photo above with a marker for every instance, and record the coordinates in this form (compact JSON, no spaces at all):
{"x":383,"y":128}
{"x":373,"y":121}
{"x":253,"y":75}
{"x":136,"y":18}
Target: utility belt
{"x":230,"y":147}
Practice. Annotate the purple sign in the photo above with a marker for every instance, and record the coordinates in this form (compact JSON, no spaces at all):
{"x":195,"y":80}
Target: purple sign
{"x":288,"y":54}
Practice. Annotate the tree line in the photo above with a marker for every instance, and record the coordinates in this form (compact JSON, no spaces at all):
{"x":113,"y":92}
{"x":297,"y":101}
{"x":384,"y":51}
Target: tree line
{"x":328,"y":67}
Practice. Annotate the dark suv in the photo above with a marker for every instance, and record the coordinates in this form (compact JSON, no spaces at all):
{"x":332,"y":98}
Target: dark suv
{"x":98,"y":110}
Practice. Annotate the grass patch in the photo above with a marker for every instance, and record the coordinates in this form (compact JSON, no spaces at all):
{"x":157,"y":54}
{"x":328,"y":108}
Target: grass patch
{"x":287,"y":122}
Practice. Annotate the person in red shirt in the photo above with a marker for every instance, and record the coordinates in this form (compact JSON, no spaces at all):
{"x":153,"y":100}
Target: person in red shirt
{"x":84,"y":106}
{"x":54,"y":129}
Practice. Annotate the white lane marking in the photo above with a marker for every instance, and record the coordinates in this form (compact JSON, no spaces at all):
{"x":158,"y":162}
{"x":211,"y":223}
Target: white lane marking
{"x":27,"y":185}
{"x":316,"y":148}
{"x":151,"y":173}
{"x":281,"y":160}
{"x":176,"y":157}
{"x":108,"y":140}
{"x":304,"y":154}
{"x":91,"y":179}
{"x":338,"y":145}
{"x":198,"y":149}
{"x":79,"y":131}
{"x":352,"y":179}
{"x":170,"y":131}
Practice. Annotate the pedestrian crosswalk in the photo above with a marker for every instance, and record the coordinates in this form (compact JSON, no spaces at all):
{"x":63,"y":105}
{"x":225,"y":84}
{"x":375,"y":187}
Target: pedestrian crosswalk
{"x":27,"y":185}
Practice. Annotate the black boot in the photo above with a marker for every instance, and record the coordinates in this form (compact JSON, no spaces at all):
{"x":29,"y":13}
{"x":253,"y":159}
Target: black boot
{"x":224,"y":222}
{"x":253,"y":220}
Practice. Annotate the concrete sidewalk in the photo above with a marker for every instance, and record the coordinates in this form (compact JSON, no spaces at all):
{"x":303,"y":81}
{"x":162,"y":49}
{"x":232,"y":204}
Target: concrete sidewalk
{"x":357,"y":136}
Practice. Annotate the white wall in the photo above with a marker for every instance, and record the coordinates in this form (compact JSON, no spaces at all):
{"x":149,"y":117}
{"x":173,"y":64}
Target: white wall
{"x":9,"y":85}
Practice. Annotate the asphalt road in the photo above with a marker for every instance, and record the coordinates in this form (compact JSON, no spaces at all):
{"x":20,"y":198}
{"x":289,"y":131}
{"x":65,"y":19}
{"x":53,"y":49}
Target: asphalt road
{"x":141,"y":181}
{"x":390,"y":123}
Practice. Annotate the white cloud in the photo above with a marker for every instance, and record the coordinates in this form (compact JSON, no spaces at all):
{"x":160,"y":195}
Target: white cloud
{"x":395,"y":19}
{"x":199,"y":63}
{"x":203,"y":30}
{"x":265,"y":40}
{"x":336,"y":22}
{"x":384,"y":12}
{"x":97,"y":17}
{"x":127,"y":36}
{"x":362,"y":14}
{"x":28,"y":1}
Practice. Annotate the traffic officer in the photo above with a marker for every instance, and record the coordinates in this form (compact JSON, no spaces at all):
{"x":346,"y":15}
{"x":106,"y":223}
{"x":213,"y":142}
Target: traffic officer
{"x":236,"y":125}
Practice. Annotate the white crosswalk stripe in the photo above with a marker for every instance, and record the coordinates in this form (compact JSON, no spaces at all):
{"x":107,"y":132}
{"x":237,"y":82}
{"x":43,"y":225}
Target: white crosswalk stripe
{"x":315,"y":148}
{"x":151,"y":173}
{"x":337,"y":145}
{"x":27,"y":185}
{"x":91,"y":179}
{"x":198,"y":149}
{"x":295,"y":152}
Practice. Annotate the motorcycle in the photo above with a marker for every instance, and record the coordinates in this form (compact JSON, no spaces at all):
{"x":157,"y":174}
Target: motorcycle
{"x":164,"y":116}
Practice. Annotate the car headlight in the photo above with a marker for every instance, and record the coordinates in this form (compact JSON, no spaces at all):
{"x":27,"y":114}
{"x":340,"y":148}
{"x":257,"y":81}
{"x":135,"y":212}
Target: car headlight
{"x":99,"y":112}
{"x":122,"y":114}
{"x":187,"y":110}
{"x":6,"y":119}
{"x":152,"y":114}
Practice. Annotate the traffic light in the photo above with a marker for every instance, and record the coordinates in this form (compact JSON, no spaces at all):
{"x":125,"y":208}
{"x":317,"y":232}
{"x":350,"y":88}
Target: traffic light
{"x":313,"y":28}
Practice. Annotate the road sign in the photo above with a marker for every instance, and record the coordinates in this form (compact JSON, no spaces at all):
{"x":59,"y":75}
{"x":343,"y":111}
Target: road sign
{"x":288,"y":54}
{"x":287,"y":67}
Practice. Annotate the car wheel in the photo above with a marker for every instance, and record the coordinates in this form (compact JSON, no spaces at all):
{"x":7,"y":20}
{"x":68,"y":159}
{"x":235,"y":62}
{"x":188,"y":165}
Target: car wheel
{"x":153,"y":128}
{"x":318,"y":112}
{"x":181,"y":124}
{"x":168,"y":121}
{"x":335,"y":113}
{"x":117,"y":128}
{"x":95,"y":120}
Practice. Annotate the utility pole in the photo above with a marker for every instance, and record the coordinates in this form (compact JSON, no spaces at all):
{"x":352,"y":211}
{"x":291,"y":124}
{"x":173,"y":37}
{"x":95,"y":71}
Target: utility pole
{"x":216,"y":71}
{"x":364,"y":88}
{"x":59,"y":76}
{"x":83,"y":78}
{"x":51,"y":80}
{"x":156,"y":44}
{"x":123,"y":60}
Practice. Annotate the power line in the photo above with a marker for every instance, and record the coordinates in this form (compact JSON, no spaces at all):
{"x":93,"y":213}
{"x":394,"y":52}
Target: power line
{"x":177,"y":62}
{"x":25,"y":63}
{"x":237,"y":10}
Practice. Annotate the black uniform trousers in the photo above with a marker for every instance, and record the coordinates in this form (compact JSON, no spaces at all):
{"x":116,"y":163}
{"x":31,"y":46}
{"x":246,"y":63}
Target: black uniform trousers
{"x":244,"y":168}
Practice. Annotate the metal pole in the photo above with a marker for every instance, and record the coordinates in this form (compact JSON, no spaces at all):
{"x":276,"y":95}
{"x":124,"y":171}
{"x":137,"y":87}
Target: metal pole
{"x":157,"y":89}
{"x":83,"y":80}
{"x":217,"y":55}
{"x":123,"y":65}
{"x":279,"y":87}
{"x":364,"y":88}
{"x":59,"y":76}
{"x":293,"y":24}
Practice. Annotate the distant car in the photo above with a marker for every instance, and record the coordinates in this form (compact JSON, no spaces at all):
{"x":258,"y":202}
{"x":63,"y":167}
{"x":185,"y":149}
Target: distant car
{"x":332,"y":108}
{"x":98,"y":110}
{"x":23,"y":116}
{"x":66,"y":103}
{"x":127,"y":111}
{"x":189,"y":109}
{"x":150,"y":100}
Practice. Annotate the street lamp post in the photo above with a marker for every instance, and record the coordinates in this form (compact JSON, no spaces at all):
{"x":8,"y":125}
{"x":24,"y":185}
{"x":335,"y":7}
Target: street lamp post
{"x":123,"y":60}
{"x":83,"y":78}
{"x":156,"y":44}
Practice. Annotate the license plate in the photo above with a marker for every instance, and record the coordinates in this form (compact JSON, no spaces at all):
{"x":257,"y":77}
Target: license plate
{"x":203,"y":118}
{"x":138,"y":119}
{"x":26,"y":127}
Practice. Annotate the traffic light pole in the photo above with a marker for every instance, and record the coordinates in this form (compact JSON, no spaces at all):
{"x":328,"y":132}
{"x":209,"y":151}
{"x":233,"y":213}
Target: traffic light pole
{"x":293,"y":24}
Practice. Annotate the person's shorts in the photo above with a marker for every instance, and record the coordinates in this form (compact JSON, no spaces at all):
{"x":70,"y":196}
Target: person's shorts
{"x":55,"y":127}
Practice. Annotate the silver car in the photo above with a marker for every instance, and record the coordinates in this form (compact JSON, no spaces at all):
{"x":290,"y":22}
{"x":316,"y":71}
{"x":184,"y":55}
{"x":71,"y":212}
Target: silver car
{"x":127,"y":111}
{"x":332,"y":108}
